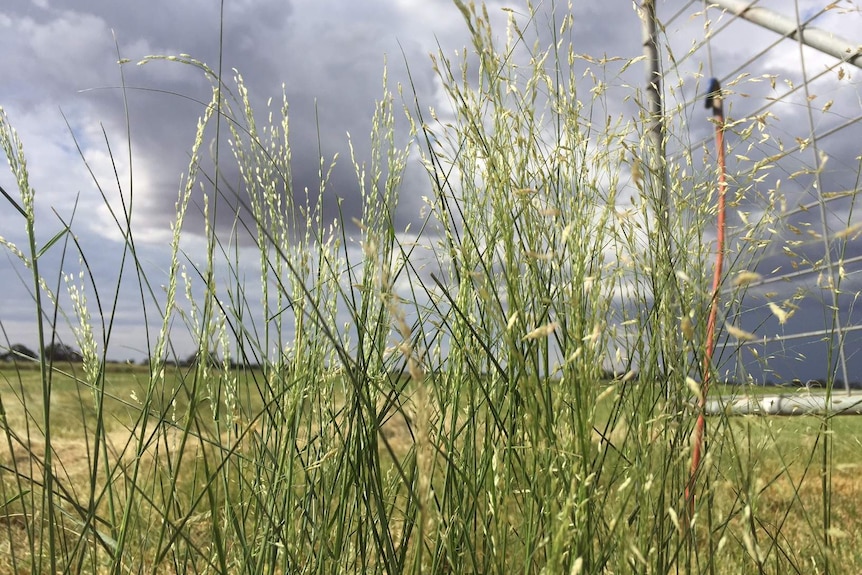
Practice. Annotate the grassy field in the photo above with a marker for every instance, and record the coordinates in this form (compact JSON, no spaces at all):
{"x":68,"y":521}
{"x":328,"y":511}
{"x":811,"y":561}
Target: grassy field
{"x":764,"y":497}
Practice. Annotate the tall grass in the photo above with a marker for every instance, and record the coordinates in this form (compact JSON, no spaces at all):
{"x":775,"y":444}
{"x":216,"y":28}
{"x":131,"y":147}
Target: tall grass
{"x":429,"y":400}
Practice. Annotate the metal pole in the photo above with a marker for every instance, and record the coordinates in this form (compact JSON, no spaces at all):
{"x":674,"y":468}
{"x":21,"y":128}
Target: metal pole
{"x":799,"y":403}
{"x":653,"y":89}
{"x":656,"y":173}
{"x":816,"y":38}
{"x":664,"y":339}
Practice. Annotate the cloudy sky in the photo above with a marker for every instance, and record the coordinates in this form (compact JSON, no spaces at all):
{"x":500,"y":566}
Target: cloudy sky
{"x":61,"y":85}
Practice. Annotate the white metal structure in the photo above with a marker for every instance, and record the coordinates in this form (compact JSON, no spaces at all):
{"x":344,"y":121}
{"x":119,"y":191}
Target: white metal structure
{"x":792,"y":82}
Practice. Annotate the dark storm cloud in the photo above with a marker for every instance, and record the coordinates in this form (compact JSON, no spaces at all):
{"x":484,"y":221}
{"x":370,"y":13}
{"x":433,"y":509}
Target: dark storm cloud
{"x":328,"y":56}
{"x":330,"y":60}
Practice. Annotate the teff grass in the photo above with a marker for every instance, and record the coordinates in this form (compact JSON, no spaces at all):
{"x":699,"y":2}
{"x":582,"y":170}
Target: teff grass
{"x":429,"y":400}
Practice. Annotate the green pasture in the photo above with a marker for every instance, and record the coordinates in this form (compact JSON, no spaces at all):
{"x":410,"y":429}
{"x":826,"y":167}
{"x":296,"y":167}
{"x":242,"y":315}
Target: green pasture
{"x":763,"y":495}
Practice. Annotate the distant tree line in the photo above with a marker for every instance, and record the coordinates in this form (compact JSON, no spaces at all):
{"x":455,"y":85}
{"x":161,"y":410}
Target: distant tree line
{"x":821,"y":384}
{"x":18,"y":351}
{"x":212,"y":360}
{"x":53,"y":352}
{"x":61,"y":352}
